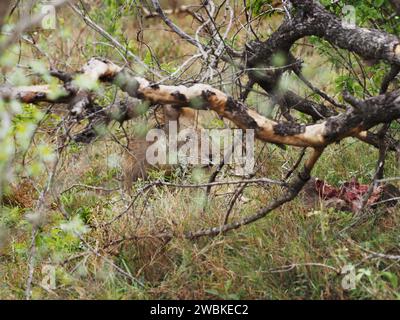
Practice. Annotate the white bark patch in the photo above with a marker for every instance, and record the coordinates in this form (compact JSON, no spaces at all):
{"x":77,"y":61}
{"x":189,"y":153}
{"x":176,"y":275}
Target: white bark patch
{"x":397,"y":50}
{"x":97,"y":68}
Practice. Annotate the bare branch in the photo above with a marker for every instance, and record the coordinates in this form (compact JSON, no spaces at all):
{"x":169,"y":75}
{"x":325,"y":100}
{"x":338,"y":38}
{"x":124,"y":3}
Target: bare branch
{"x":112,"y":40}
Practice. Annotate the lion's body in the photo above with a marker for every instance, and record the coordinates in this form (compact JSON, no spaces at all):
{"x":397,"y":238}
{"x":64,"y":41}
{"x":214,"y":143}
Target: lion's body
{"x":134,"y":164}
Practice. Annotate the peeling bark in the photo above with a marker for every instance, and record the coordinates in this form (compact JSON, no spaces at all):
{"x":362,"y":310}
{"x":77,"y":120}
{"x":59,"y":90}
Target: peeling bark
{"x":310,"y":18}
{"x":354,"y":122}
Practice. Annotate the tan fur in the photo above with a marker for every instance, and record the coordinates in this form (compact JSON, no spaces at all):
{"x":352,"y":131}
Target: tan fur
{"x":134,"y":164}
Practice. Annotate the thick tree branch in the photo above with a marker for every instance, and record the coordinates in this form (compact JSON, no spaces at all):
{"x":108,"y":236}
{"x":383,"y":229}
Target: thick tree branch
{"x":310,"y":18}
{"x":354,"y":122}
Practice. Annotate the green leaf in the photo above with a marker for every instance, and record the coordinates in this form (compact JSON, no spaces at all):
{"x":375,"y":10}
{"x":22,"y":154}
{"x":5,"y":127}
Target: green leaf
{"x":86,"y":82}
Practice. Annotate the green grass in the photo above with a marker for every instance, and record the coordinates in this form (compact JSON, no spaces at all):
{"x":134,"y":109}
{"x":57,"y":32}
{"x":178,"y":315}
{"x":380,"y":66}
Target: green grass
{"x":290,"y":254}
{"x":293,"y":253}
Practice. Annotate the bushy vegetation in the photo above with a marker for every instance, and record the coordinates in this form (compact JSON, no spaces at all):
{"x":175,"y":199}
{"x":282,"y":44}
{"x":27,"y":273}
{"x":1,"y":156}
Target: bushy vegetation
{"x":63,"y":209}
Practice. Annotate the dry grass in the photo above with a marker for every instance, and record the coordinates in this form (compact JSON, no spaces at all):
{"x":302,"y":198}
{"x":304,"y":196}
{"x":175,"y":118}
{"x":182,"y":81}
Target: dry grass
{"x":250,"y":263}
